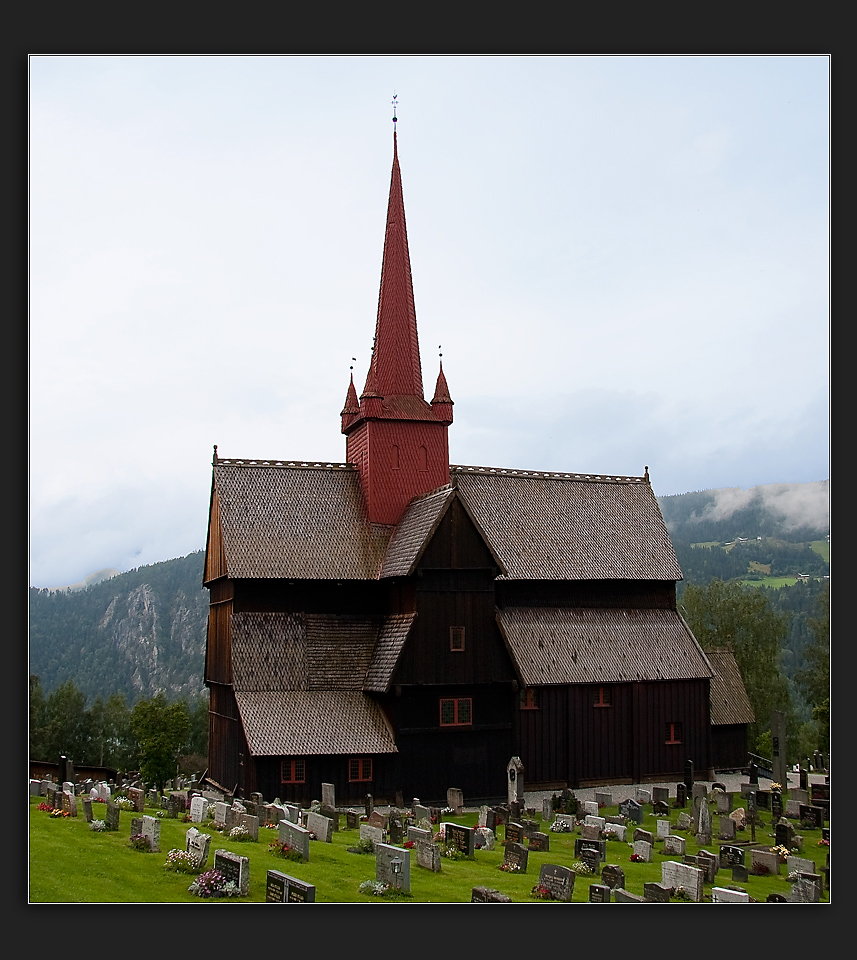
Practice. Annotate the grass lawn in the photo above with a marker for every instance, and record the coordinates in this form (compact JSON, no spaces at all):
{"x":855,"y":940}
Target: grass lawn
{"x":70,"y":863}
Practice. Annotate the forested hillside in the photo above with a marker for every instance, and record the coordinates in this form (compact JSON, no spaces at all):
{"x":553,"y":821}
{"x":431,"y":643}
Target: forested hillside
{"x":138,"y":634}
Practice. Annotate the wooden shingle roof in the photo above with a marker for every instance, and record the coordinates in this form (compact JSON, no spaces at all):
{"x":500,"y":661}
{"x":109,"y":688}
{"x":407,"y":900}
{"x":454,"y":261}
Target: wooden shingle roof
{"x":729,"y":701}
{"x":569,"y":526}
{"x":559,"y":645}
{"x":413,"y":532}
{"x":391,"y":640}
{"x":310,"y":722}
{"x":296,"y":521}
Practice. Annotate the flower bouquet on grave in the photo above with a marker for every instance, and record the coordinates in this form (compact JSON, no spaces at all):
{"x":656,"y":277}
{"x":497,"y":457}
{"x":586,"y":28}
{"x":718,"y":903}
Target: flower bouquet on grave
{"x":636,"y":858}
{"x":124,"y":803}
{"x":581,"y":868}
{"x":823,"y":843}
{"x":541,"y":893}
{"x":285,"y":851}
{"x":213,"y":884}
{"x":377,"y":888}
{"x":781,"y":851}
{"x":180,"y":861}
{"x":139,"y":842}
{"x":240,"y":833}
{"x":508,"y":866}
{"x":98,"y":825}
{"x":45,"y":806}
{"x":57,"y":814}
{"x":561,"y":826}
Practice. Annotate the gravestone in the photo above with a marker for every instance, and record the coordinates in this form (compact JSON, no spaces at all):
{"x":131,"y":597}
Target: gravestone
{"x":725,"y":895}
{"x":726,"y":828}
{"x":784,"y":834}
{"x":488,"y":895}
{"x":332,"y":814}
{"x":776,"y":804}
{"x":421,"y":813}
{"x":739,"y":815}
{"x":732,"y":856}
{"x":703,"y":823}
{"x":234,"y":868}
{"x":689,"y":878}
{"x":603,"y":799}
{"x":377,"y":819}
{"x":590,"y":808}
{"x":632,"y":810}
{"x":539,"y":842}
{"x":558,"y":879}
{"x":641,"y":834}
{"x":328,"y":795}
{"x":175,"y":806}
{"x":320,"y":827}
{"x":296,"y":836}
{"x":763,"y":862}
{"x":643,"y":796}
{"x":568,"y":821}
{"x":664,"y":829}
{"x":514,"y":833}
{"x":616,"y":830}
{"x":250,"y":824}
{"x":281,"y":888}
{"x":516,"y":855}
{"x":418,"y":834}
{"x":688,"y":776}
{"x":680,"y":795}
{"x":368,"y":805}
{"x":197,"y":844}
{"x":597,"y":848}
{"x":428,"y":855}
{"x":813,"y":815}
{"x":643,"y":850}
{"x":516,"y":811}
{"x":460,"y":837}
{"x":455,"y":800}
{"x":740,"y":874}
{"x":723,"y":803}
{"x":111,"y":816}
{"x":590,"y":831}
{"x":709,"y":863}
{"x":375,"y":834}
{"x":660,"y":795}
{"x":137,"y":797}
{"x":674,"y":846}
{"x":221,"y":811}
{"x":599,"y":893}
{"x":484,"y":838}
{"x":806,"y":890}
{"x":621,"y":895}
{"x":396,"y":831}
{"x":660,"y":808}
{"x":654,"y":892}
{"x":258,"y":799}
{"x":69,"y":803}
{"x":198,"y":809}
{"x":613,"y":875}
{"x":393,"y":866}
{"x":151,"y":830}
{"x":684,"y":822}
{"x":87,"y":809}
{"x":352,"y":820}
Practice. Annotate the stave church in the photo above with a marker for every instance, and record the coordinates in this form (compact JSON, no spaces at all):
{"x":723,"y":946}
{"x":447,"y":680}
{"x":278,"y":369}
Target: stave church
{"x":395,"y":625}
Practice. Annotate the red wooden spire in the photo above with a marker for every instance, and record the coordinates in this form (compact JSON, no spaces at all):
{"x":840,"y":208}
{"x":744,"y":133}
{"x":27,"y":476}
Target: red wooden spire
{"x":396,"y":357}
{"x":395,"y":438}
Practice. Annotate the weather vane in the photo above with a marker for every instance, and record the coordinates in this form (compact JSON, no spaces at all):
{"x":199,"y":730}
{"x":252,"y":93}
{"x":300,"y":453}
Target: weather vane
{"x":393,"y":101}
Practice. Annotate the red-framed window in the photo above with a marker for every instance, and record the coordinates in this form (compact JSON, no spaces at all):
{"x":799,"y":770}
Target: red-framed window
{"x":359,"y":769}
{"x":456,"y":711}
{"x":293,"y":770}
{"x":456,"y":639}
{"x":601,"y":697}
{"x":673,"y":733}
{"x":529,"y":697}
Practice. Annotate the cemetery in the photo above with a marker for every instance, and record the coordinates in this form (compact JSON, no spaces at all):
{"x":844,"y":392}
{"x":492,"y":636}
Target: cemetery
{"x":109,"y":843}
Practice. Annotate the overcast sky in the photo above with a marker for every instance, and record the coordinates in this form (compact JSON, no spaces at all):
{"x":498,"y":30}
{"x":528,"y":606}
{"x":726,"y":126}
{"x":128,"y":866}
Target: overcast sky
{"x":624,"y":259}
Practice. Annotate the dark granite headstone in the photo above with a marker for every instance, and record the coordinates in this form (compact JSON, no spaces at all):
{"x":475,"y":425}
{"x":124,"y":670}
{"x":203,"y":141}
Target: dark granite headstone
{"x":488,"y":895}
{"x":516,"y":854}
{"x":540,"y":842}
{"x":731,"y":856}
{"x":559,"y":880}
{"x":681,"y":795}
{"x":613,"y":875}
{"x":599,"y":893}
{"x":656,"y":892}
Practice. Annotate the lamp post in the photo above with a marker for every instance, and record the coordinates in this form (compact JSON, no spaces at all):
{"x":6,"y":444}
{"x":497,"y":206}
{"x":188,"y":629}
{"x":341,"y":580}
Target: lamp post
{"x":396,"y":867}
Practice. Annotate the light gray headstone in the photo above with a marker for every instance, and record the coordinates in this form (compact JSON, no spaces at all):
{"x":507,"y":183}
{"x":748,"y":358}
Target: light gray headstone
{"x":428,"y":855}
{"x":321,"y":827}
{"x":643,"y":849}
{"x":375,"y":834}
{"x":683,"y":875}
{"x":674,"y":846}
{"x":328,"y":794}
{"x":725,"y":895}
{"x":295,"y":836}
{"x":663,"y":829}
{"x":197,"y":844}
{"x":151,"y":829}
{"x":393,"y":866}
{"x":235,"y":868}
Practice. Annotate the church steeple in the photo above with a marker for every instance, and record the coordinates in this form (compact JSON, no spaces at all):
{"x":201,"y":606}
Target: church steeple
{"x":397,"y":440}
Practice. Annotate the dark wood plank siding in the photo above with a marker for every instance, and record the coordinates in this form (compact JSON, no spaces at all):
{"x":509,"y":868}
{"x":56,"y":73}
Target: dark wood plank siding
{"x":729,"y":747}
{"x":226,"y":744}
{"x":218,"y":647}
{"x":657,"y":704}
{"x":327,"y":769}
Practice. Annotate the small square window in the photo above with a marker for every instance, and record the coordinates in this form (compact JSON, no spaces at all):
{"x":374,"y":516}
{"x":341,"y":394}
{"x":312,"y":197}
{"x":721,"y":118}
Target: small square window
{"x":529,"y":699}
{"x":293,"y":770}
{"x":456,"y":711}
{"x":359,"y":769}
{"x":602,"y":697}
{"x":456,"y":638}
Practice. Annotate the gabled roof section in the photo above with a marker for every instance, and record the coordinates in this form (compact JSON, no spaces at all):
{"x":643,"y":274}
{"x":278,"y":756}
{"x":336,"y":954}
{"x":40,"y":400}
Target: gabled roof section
{"x":414,"y":530}
{"x":559,"y":526}
{"x":729,"y":701}
{"x":294,"y":520}
{"x":312,"y":722}
{"x":559,"y":645}
{"x":391,"y":642}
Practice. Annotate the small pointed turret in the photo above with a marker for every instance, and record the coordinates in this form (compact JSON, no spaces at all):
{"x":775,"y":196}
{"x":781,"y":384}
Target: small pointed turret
{"x":441,"y":403}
